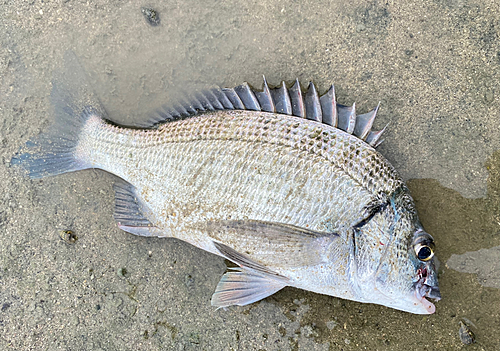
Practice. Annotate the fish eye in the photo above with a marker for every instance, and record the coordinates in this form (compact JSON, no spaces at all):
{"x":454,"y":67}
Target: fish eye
{"x":424,"y":251}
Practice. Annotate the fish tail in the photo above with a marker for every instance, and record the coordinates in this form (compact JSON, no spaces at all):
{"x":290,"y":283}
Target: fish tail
{"x":54,"y":151}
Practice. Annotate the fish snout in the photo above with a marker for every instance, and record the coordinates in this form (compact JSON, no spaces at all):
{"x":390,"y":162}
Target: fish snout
{"x":433,"y":293}
{"x":429,"y":283}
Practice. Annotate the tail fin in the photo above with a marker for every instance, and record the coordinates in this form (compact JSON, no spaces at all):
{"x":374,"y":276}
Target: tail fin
{"x":53,"y":152}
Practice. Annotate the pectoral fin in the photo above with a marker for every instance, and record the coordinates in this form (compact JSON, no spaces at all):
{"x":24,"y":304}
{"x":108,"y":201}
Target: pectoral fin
{"x":242,"y":287}
{"x":244,"y":261}
{"x":256,"y":247}
{"x":272,"y":244}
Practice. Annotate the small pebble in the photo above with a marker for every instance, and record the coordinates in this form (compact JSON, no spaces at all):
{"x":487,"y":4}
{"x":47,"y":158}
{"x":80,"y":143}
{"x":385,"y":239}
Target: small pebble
{"x":331,"y":324}
{"x":123,"y":273}
{"x":151,"y":16}
{"x":68,"y":236}
{"x":189,"y":280}
{"x":489,"y":96}
{"x":360,"y":27}
{"x":466,"y":334}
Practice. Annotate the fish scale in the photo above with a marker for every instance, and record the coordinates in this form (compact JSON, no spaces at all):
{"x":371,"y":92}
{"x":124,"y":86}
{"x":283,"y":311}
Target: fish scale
{"x":335,"y":145}
{"x":285,"y":184}
{"x":254,"y":195}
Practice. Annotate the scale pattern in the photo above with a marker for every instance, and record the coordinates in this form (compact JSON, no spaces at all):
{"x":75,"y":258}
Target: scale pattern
{"x":244,"y":164}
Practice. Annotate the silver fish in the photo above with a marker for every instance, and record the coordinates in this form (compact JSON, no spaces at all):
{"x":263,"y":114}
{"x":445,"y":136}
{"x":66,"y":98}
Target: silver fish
{"x":285,"y":184}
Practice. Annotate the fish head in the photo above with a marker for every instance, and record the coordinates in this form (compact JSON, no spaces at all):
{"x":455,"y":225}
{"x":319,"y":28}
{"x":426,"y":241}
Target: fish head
{"x":401,"y":273}
{"x":408,"y":276}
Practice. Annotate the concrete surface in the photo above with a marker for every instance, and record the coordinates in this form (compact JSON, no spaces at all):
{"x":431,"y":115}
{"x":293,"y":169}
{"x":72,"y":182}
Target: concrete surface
{"x":433,"y":65}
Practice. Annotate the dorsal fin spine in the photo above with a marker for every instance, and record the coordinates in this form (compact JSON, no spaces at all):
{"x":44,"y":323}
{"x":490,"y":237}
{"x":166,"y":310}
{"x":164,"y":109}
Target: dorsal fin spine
{"x":204,"y":101}
{"x":352,"y":120}
{"x":322,"y":109}
{"x":313,"y":105}
{"x":364,"y":123}
{"x":265,"y":99}
{"x":248,"y":97}
{"x":297,"y":100}
{"x":219,"y":94}
{"x":281,"y":98}
{"x":234,"y":98}
{"x":329,"y":107}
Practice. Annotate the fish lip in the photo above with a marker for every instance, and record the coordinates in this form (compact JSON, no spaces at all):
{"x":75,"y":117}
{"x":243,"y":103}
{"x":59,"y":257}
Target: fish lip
{"x":424,"y":291}
{"x":433,"y":293}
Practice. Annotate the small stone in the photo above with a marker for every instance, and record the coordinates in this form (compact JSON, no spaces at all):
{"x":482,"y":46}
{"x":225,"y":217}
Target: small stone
{"x":360,"y":27}
{"x":488,"y":96}
{"x":194,"y":338}
{"x":68,"y":236}
{"x":465,"y":332}
{"x":189,"y":280}
{"x":6,"y":306}
{"x":74,"y":321}
{"x":151,"y":16}
{"x":331,"y":324}
{"x":123,"y":272}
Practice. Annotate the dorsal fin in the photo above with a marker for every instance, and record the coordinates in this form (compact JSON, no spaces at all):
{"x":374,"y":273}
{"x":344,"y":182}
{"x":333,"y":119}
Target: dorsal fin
{"x":291,"y":101}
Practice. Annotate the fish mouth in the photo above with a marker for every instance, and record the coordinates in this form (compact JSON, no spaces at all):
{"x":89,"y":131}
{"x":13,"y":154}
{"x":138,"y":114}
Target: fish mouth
{"x":424,"y":291}
{"x":430,"y":292}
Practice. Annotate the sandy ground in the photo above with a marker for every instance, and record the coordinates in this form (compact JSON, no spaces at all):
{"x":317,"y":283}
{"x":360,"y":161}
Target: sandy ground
{"x":433,"y":65}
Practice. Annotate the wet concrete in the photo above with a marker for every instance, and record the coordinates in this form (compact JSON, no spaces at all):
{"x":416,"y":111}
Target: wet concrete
{"x":434,"y":67}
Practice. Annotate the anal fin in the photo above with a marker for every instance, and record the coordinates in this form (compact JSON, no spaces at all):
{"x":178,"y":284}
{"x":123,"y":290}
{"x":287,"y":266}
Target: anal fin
{"x":241,"y":287}
{"x":131,"y":213}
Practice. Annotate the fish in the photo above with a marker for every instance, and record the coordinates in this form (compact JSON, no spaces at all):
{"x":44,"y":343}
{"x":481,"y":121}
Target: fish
{"x":284,"y":183}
